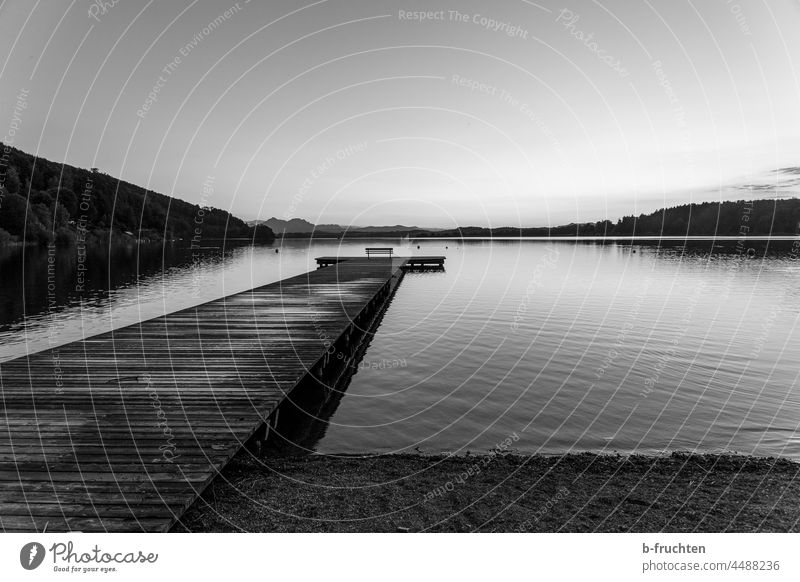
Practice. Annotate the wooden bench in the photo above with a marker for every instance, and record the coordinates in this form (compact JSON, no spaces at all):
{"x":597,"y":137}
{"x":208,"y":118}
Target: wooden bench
{"x":379,"y":251}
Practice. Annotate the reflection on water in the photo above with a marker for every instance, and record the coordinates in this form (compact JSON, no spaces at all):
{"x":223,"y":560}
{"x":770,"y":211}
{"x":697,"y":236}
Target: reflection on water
{"x":572,"y":346}
{"x":305,"y":415}
{"x":605,"y":347}
{"x":43,"y":307}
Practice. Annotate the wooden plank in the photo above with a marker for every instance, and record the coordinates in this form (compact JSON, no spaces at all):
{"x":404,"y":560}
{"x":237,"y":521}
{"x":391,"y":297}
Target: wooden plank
{"x":82,"y":426}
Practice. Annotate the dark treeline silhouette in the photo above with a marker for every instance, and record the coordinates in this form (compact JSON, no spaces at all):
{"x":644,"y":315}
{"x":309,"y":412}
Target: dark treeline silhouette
{"x":757,"y":217}
{"x":43,"y":202}
{"x":753,"y":217}
{"x":742,"y":217}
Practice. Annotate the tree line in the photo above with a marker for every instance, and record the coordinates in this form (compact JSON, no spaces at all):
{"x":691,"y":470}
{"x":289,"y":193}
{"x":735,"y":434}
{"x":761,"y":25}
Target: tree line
{"x":733,"y":218}
{"x":47,"y":202}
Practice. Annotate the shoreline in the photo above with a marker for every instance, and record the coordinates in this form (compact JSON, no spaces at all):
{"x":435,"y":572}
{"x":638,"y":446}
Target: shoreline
{"x":786,"y":237}
{"x":575,"y":492}
{"x":127,"y":242}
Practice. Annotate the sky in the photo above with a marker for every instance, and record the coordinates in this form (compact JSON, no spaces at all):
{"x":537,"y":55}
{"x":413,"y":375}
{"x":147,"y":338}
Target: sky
{"x":435,"y":113}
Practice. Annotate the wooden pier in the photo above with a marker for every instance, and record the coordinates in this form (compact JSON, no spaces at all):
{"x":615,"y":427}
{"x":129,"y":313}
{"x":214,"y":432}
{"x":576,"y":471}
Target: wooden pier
{"x":124,"y":430}
{"x":418,"y":262}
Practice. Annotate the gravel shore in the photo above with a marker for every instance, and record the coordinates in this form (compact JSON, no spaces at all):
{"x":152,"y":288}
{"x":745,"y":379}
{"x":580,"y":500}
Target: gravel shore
{"x":501,"y":493}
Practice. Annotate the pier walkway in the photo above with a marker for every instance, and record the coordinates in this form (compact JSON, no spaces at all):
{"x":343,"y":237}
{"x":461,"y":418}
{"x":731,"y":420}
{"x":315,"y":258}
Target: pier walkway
{"x":418,"y":262}
{"x":123,"y":431}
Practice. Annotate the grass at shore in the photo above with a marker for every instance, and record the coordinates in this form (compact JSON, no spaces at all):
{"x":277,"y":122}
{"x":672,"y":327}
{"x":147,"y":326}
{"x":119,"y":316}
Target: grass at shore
{"x":504,"y":493}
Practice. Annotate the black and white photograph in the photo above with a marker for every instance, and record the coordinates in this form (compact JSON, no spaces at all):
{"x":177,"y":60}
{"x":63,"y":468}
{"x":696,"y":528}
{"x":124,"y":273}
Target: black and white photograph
{"x":288,"y":286}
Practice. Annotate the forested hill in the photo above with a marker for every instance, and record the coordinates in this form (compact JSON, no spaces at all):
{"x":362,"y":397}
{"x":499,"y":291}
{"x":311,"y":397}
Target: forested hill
{"x":752,"y":218}
{"x":43,"y":201}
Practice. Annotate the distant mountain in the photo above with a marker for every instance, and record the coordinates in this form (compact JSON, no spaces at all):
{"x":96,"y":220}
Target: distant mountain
{"x":298,"y":225}
{"x":730,"y":218}
{"x":279,"y":226}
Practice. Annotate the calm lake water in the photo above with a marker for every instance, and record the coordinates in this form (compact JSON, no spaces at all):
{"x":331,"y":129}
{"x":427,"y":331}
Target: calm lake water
{"x":562,"y":346}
